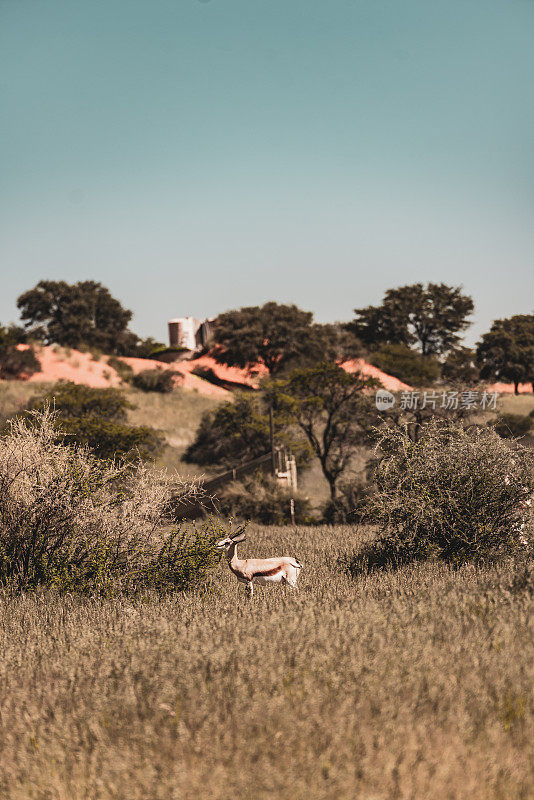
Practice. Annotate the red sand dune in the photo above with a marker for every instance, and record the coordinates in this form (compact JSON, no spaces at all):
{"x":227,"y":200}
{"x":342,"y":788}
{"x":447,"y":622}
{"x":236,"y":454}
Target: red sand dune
{"x":508,"y":388}
{"x":60,"y":363}
{"x":369,"y":371}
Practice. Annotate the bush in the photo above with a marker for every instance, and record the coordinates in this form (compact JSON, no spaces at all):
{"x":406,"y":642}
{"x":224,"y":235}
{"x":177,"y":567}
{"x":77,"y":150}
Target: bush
{"x":513,"y":425}
{"x":97,"y":418}
{"x":76,"y":400}
{"x":110,"y":439}
{"x":261,"y":498}
{"x":457,"y":493}
{"x":406,"y":365}
{"x":123,"y":370}
{"x":154,"y":380}
{"x":208,"y":374}
{"x":72,"y":522}
{"x":18,"y":364}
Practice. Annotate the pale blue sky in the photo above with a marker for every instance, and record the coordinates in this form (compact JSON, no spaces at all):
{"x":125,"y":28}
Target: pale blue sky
{"x":199,"y":156}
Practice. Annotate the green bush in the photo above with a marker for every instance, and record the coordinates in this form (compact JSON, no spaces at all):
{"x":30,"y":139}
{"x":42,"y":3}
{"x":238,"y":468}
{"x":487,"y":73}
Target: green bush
{"x":74,"y":400}
{"x":97,"y":418}
{"x":261,"y":498}
{"x":74,"y":523}
{"x":457,"y":493}
{"x":110,"y":439}
{"x":154,"y":380}
{"x":513,"y":425}
{"x":123,"y":370}
{"x":208,"y":374}
{"x":16,"y":364}
{"x":406,"y":365}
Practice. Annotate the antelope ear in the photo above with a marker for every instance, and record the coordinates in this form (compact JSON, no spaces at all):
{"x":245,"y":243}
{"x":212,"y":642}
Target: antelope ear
{"x":240,"y":538}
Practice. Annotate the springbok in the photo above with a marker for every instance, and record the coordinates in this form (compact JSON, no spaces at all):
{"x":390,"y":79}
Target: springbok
{"x":284,"y":570}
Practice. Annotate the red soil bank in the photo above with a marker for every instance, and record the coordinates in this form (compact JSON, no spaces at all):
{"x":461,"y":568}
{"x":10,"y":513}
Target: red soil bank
{"x":60,"y":363}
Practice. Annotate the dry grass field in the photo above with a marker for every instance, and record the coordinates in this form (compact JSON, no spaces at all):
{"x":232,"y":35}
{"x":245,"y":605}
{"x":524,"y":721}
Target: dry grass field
{"x":415,"y":684}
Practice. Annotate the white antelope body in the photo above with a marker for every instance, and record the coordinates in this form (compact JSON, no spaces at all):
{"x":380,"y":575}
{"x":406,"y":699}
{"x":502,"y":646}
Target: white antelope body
{"x":284,"y":570}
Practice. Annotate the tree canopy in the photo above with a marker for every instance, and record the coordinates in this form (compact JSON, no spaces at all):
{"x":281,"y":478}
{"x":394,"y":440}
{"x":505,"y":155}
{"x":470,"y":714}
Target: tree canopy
{"x":238,"y":432}
{"x":326,"y":403}
{"x":406,"y":364}
{"x":277,"y":336}
{"x":83,"y":313}
{"x":460,"y":366}
{"x":506,"y":352}
{"x":428,"y":317}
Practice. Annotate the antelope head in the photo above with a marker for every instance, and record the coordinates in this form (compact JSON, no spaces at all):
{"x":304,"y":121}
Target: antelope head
{"x":229,"y":541}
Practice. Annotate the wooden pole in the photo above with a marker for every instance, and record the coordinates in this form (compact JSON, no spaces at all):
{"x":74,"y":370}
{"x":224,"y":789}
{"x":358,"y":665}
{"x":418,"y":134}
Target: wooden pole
{"x":292,"y":510}
{"x":271,"y":434}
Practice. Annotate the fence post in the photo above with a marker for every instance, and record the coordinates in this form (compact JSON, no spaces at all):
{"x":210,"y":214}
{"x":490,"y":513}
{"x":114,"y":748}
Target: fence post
{"x":271,"y":434}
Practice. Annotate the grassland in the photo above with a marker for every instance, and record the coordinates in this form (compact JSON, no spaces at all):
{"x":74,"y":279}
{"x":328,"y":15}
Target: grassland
{"x":178,"y":416}
{"x":415,"y":684}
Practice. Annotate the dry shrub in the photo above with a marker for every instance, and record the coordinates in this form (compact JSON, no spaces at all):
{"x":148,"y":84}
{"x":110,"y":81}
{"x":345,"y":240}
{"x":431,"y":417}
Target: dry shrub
{"x":510,"y":426}
{"x":71,"y":521}
{"x":457,"y":493}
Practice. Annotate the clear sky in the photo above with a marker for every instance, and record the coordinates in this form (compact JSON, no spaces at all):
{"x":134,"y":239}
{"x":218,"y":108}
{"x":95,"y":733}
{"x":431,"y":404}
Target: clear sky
{"x":196,"y":156}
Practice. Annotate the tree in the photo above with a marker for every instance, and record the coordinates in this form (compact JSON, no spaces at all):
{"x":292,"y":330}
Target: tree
{"x":83,"y":313}
{"x":429,"y":318}
{"x":460,"y":366}
{"x":506,"y":352}
{"x":325,"y":402}
{"x":274,"y":335}
{"x":239,"y":431}
{"x":407,"y":365}
{"x":131,"y":345}
{"x":334,"y":342}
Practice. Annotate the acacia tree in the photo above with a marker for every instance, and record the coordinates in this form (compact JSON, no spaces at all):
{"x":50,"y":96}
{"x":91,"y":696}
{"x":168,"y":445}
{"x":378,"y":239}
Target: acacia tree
{"x":506,"y":352}
{"x":460,"y":366}
{"x":239,"y":431}
{"x":429,"y":318}
{"x":326,"y":403}
{"x":83,"y":313}
{"x":277,"y":336}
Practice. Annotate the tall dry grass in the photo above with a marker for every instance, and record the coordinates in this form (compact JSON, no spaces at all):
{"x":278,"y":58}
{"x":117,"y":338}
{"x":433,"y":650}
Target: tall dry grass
{"x":413,"y":684}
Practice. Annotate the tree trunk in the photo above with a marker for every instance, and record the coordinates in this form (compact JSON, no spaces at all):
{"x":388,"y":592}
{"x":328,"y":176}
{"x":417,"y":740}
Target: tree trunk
{"x":332,"y":486}
{"x":516,"y":387}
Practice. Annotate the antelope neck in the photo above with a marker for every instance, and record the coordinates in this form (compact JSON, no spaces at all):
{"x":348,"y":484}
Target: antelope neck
{"x":231,"y":553}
